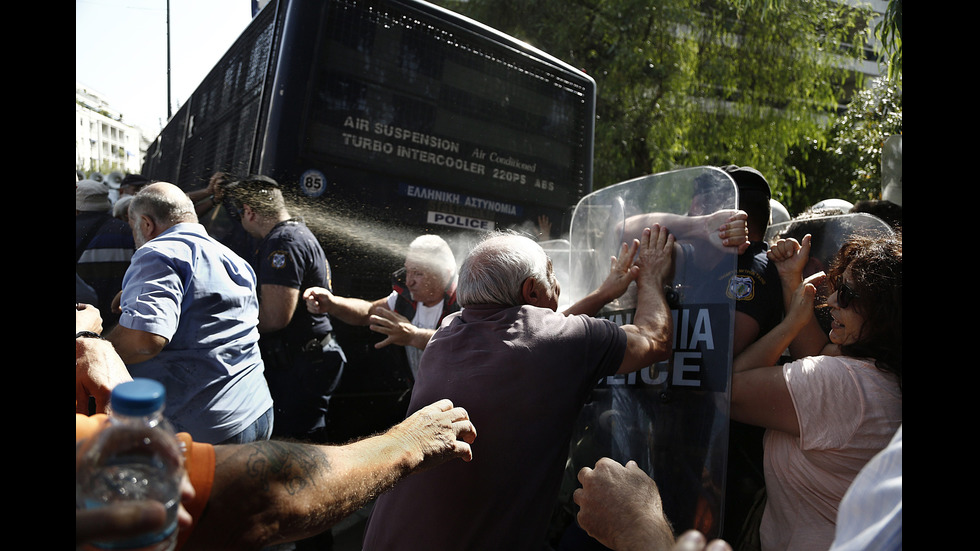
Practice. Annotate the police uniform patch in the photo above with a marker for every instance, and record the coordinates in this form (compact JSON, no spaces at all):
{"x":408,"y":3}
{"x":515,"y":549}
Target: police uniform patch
{"x":278,"y":259}
{"x":741,"y":288}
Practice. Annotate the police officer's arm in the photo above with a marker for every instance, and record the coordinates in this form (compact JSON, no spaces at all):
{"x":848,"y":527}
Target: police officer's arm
{"x":726,"y":230}
{"x":649,"y":337}
{"x":746,"y":331}
{"x":134,"y":345}
{"x":276,"y":306}
{"x":352,"y":311}
{"x":271,"y":492}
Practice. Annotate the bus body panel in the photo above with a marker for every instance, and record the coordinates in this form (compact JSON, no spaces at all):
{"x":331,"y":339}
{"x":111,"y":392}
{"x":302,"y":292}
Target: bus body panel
{"x":384,"y":120}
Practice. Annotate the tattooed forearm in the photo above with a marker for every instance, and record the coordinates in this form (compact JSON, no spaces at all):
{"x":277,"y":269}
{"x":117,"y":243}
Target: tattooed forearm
{"x":265,"y":493}
{"x":294,"y":467}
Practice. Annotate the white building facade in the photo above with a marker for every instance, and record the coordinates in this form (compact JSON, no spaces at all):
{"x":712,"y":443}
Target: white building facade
{"x":103,"y":142}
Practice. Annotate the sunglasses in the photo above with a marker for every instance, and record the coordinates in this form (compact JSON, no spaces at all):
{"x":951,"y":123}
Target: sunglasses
{"x":844,"y":293}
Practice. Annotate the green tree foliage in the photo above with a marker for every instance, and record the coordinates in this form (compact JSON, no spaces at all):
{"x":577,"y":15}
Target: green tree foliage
{"x":847,"y":164}
{"x":696,"y":82}
{"x":888,"y":31}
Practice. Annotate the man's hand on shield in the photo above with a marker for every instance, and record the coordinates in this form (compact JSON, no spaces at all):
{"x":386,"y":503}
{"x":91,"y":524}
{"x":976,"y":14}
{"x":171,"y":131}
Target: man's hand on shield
{"x":622,"y":272}
{"x":655,"y":257}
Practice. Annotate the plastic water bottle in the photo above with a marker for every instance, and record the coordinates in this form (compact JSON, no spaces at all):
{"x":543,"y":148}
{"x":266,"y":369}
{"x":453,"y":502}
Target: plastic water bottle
{"x":137,"y":457}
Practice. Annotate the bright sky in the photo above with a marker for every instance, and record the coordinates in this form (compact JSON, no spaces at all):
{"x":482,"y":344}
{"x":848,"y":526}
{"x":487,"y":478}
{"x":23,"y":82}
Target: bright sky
{"x":121,"y":50}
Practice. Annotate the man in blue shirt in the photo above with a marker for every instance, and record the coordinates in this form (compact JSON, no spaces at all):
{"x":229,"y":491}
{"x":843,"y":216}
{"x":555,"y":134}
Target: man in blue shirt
{"x":189,"y":316}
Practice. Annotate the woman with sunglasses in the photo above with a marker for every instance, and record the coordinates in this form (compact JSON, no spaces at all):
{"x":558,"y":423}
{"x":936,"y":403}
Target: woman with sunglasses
{"x":828,"y":412}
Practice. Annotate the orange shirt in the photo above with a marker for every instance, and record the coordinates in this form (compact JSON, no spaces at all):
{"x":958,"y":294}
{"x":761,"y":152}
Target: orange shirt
{"x":198,"y":462}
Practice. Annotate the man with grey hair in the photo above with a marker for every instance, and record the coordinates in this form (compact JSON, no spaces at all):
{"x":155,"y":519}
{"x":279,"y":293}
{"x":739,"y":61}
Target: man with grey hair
{"x":188,"y":316}
{"x":423,"y":293}
{"x":120,"y":209}
{"x":523,"y":371}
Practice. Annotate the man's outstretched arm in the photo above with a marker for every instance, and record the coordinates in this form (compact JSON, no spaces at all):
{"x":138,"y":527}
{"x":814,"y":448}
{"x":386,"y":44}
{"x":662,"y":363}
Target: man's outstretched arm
{"x":621,"y":273}
{"x":275,"y":491}
{"x":649,"y":336}
{"x":350,"y":310}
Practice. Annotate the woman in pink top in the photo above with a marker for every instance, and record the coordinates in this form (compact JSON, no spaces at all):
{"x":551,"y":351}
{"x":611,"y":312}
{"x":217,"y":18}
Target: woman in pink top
{"x":830,"y":411}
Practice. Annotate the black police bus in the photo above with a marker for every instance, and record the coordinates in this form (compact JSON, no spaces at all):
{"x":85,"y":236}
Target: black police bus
{"x":383,"y":120}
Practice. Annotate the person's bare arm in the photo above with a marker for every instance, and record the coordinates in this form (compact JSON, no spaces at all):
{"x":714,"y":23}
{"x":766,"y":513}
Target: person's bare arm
{"x":276,"y":308}
{"x":620,"y":506}
{"x":352,"y":311}
{"x":759,"y":393}
{"x":272,"y":492}
{"x":208,"y":197}
{"x":761,"y":398}
{"x":649,"y":337}
{"x":767,"y":350}
{"x":790,"y":258}
{"x":746,"y":331}
{"x":87,"y":318}
{"x":398,"y":329}
{"x":621,"y":273}
{"x":98,"y":369}
{"x":724,"y":229}
{"x":134,"y":345}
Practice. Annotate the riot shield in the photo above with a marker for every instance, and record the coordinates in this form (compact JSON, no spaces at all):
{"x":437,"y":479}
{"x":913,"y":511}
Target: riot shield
{"x":671,"y":418}
{"x":827,"y":235}
{"x":559,"y":251}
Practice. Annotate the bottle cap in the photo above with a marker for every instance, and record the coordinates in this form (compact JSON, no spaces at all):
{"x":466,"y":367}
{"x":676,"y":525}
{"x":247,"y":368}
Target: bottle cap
{"x":138,"y":397}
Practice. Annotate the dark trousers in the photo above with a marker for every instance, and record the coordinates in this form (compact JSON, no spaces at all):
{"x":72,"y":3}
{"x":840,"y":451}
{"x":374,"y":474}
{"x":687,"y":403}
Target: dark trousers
{"x":301,"y":381}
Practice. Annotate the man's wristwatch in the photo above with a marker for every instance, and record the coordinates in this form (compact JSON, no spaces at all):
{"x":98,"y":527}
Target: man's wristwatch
{"x":87,"y":335}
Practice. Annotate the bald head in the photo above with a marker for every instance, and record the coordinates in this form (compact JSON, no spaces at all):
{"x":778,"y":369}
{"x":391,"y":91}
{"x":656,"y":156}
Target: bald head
{"x":166,"y":203}
{"x":158,"y":207}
